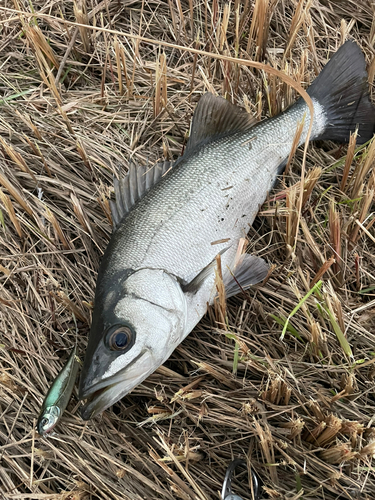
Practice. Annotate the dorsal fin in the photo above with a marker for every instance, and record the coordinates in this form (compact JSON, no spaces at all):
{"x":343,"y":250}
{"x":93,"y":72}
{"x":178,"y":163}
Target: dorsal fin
{"x":214,"y":117}
{"x":133,"y":186}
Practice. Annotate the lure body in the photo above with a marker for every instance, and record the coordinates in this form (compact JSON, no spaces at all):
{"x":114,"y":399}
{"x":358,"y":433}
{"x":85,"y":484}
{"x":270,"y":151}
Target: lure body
{"x":58,"y":395}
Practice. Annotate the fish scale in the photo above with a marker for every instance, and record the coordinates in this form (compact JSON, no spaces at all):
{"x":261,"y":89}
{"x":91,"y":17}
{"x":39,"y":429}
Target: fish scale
{"x":174,"y":225}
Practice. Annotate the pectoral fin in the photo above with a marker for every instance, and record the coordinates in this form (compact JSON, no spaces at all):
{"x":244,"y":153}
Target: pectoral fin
{"x":250,"y":270}
{"x":196,"y":283}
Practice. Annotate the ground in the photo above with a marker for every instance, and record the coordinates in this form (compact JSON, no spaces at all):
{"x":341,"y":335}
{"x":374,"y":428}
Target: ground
{"x":295,"y":397}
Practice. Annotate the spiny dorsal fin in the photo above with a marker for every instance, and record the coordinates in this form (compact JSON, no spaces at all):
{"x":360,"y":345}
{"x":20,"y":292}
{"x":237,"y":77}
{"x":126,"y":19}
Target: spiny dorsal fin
{"x":132,"y":187}
{"x":250,"y":270}
{"x":214,"y":117}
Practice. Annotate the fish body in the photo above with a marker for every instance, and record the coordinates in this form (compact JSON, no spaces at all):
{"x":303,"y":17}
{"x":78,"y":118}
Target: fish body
{"x":58,"y":395}
{"x":157,"y":275}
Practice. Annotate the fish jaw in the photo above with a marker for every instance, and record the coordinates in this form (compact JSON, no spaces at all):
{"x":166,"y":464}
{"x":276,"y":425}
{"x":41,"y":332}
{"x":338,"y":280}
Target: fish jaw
{"x":103,"y":394}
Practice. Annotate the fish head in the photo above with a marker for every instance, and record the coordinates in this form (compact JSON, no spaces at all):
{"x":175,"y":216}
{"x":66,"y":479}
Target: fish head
{"x":137,"y":323}
{"x":47,"y":419}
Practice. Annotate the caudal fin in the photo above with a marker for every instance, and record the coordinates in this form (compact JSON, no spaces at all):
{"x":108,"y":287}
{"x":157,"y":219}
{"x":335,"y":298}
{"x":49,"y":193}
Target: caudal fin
{"x":342,"y":90}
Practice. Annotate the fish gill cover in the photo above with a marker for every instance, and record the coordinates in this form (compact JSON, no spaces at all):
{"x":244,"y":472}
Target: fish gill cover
{"x":282,"y":374}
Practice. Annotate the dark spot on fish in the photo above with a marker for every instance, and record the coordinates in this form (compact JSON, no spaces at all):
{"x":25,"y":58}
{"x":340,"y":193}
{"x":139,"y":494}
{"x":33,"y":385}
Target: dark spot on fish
{"x":244,"y":215}
{"x":222,"y":219}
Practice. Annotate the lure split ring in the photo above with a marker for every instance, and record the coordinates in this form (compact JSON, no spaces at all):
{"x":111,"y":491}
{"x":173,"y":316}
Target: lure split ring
{"x":227,"y":493}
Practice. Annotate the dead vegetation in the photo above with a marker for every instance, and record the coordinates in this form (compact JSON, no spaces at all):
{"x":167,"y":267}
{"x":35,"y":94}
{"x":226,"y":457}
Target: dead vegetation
{"x":282,"y":375}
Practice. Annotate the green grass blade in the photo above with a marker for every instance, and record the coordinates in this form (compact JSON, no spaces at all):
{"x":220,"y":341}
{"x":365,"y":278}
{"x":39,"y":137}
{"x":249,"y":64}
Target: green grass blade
{"x":2,"y":221}
{"x":14,"y":96}
{"x":281,"y":321}
{"x":316,"y":287}
{"x":339,"y":334}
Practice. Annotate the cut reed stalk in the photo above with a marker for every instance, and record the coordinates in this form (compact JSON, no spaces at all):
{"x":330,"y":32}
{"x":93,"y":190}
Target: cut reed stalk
{"x":161,"y":96}
{"x":299,"y":17}
{"x":259,"y":28}
{"x":366,"y":203}
{"x":80,"y":13}
{"x":11,"y":212}
{"x":338,"y":454}
{"x":349,"y":159}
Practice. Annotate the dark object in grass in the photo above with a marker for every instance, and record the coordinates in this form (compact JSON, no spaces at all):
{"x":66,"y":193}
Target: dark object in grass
{"x":227,"y":493}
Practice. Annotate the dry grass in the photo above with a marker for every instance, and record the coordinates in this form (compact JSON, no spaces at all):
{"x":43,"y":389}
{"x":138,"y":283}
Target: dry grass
{"x":76,"y":104}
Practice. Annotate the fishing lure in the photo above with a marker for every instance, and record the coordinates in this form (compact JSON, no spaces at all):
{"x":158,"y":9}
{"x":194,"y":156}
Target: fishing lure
{"x":58,"y":396}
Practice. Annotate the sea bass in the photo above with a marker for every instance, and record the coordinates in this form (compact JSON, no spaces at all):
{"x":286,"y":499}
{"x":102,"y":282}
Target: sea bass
{"x":170,"y":222}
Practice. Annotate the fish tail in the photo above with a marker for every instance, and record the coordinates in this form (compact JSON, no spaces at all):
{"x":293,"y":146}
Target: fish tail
{"x":341,"y":89}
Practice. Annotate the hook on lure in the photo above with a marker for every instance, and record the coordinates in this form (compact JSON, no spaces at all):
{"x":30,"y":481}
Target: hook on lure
{"x":227,"y":493}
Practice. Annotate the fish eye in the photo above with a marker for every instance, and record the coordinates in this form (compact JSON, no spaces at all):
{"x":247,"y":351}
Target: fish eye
{"x":44,"y":422}
{"x":48,"y":419}
{"x":120,"y":338}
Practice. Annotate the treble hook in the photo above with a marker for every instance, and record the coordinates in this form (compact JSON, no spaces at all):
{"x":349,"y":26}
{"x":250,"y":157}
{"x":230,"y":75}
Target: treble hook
{"x":226,"y":492}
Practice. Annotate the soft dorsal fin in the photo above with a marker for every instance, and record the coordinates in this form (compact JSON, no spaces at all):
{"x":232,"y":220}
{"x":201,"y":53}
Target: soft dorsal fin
{"x":133,"y":186}
{"x":214,"y":117}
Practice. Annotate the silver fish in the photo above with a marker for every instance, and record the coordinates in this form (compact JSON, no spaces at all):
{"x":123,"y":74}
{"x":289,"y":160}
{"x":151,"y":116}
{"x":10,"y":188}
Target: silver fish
{"x":58,"y":395}
{"x":170,"y":222}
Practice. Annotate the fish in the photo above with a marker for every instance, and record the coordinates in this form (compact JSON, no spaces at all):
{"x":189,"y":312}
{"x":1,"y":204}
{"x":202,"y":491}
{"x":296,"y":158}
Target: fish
{"x":58,"y":395}
{"x":157,"y":275}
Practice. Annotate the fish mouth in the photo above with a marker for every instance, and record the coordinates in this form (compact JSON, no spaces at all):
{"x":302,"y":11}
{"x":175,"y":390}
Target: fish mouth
{"x":105,"y":393}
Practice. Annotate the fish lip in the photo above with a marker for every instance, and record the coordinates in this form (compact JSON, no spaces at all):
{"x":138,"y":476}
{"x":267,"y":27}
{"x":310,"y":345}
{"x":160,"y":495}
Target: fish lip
{"x":95,"y":395}
{"x":86,"y":393}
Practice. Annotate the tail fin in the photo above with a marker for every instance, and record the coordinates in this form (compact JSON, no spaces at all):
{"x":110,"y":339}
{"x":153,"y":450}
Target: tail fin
{"x":342,"y":90}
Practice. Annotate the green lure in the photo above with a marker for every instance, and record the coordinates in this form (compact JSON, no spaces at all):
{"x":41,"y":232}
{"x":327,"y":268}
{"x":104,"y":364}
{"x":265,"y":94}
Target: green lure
{"x":58,"y":395}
